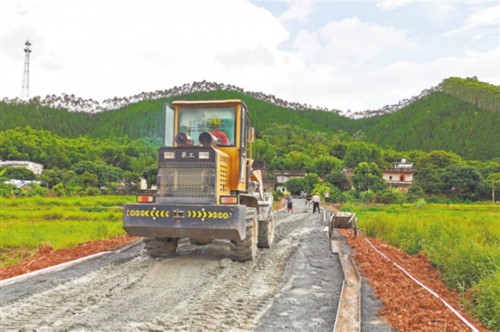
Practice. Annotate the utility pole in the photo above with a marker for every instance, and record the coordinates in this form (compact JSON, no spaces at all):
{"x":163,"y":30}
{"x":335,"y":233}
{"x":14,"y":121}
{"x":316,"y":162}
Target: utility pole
{"x":493,"y":191}
{"x":26,"y":77}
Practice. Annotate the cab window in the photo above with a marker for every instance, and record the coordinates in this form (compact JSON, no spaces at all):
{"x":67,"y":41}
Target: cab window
{"x":219,"y":121}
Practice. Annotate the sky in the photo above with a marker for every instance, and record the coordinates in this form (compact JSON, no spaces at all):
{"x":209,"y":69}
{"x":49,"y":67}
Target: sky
{"x":345,"y":55}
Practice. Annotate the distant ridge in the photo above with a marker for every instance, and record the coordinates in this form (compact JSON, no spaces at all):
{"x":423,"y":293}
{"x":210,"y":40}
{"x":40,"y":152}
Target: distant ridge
{"x":451,"y":86}
{"x":459,"y":115}
{"x":76,"y":104}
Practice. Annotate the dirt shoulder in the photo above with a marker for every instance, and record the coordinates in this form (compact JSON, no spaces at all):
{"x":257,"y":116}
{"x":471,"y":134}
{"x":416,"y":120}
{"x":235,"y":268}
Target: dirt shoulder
{"x":48,"y":257}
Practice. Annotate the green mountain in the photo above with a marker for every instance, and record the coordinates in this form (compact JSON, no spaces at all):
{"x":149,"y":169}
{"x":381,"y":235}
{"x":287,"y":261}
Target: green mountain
{"x":37,"y":116}
{"x":438,"y":121}
{"x":460,"y":115}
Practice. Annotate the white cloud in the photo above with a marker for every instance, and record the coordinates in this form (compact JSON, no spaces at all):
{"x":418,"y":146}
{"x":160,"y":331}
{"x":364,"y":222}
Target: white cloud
{"x":299,"y":10}
{"x":392,"y":4}
{"x":102,"y":49}
{"x":351,"y":40}
{"x":315,"y":85}
{"x":482,"y":17}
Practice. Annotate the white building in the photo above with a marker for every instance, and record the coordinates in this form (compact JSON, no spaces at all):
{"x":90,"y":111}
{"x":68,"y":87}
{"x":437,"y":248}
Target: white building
{"x":34,"y":167}
{"x":401,"y":176}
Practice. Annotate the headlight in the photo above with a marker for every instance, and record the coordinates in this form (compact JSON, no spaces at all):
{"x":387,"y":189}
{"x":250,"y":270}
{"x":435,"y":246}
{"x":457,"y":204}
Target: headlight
{"x":204,"y":155}
{"x":169,"y":155}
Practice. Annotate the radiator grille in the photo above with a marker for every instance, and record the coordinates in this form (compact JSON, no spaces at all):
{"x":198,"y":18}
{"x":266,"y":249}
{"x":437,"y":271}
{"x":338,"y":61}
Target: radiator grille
{"x":191,"y":180}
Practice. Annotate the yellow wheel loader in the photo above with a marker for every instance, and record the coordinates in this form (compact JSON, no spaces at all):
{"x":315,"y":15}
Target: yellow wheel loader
{"x":208,"y":187}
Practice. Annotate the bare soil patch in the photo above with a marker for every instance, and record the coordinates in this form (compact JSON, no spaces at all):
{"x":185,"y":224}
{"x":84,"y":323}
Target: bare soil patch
{"x":407,"y":306}
{"x":47,"y":256}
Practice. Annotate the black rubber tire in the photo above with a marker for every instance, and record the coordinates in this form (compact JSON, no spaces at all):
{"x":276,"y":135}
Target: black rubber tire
{"x":246,"y":249}
{"x":266,"y":232}
{"x":160,"y":246}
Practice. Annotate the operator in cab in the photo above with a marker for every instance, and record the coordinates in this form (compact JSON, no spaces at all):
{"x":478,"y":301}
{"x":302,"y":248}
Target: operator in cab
{"x":216,"y":130}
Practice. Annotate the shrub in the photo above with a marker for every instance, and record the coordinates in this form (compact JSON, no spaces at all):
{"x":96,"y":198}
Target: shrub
{"x":6,"y":190}
{"x":391,"y":196}
{"x":367,"y":196}
{"x":420,"y":203}
{"x":415,"y":193}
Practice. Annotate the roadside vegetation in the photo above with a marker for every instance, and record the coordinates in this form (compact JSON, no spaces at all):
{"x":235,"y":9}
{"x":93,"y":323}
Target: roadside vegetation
{"x":462,"y":241}
{"x":59,"y":222}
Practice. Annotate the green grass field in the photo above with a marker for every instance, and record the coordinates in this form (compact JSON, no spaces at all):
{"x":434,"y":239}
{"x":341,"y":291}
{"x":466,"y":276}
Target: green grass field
{"x":64,"y":222}
{"x":462,"y":241}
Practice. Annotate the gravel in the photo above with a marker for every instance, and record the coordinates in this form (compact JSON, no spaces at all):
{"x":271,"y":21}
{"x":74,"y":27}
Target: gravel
{"x":293,"y":286}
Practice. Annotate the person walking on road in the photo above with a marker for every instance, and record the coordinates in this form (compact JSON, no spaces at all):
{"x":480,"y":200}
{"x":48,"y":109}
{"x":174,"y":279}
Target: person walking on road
{"x":289,"y":202}
{"x":316,"y":201}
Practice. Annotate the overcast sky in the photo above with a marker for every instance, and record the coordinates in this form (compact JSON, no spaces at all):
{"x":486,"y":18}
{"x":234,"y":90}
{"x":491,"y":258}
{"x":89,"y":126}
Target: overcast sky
{"x":343,"y":55}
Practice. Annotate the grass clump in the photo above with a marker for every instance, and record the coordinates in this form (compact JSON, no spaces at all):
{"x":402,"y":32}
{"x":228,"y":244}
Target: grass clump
{"x":30,"y":222}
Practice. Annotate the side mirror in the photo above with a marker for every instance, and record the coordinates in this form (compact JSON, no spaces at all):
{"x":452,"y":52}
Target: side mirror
{"x":258,"y":164}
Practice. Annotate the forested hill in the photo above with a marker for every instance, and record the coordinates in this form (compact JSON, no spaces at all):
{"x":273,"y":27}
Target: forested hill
{"x":59,"y":121}
{"x":460,"y":115}
{"x":438,"y":121}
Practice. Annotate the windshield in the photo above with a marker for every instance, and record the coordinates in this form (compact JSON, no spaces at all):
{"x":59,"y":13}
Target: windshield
{"x":218,"y":121}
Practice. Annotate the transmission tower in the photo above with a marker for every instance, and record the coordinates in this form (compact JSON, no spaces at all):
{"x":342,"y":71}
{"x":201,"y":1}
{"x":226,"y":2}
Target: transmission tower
{"x":26,"y":77}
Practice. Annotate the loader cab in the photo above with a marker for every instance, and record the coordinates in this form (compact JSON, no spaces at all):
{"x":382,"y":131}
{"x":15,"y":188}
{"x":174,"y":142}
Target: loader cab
{"x":189,"y":123}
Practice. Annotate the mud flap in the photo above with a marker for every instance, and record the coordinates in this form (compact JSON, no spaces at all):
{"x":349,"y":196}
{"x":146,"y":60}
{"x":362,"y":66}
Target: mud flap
{"x":192,"y":221}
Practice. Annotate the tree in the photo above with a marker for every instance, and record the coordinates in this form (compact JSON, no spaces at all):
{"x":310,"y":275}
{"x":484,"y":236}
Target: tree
{"x":51,"y":177}
{"x":429,"y":179}
{"x":339,"y":179}
{"x":359,"y":152}
{"x":295,"y":185}
{"x":367,"y":176}
{"x":324,"y":165}
{"x":356,"y":153}
{"x":437,"y":159}
{"x":338,"y":150}
{"x":493,"y":185}
{"x":263,"y":150}
{"x":296,"y":161}
{"x":415,"y":193}
{"x":131,"y":181}
{"x":310,"y":180}
{"x":105,"y":174}
{"x":150,"y":175}
{"x":90,"y":179}
{"x":463,"y":182}
{"x":431,"y":169}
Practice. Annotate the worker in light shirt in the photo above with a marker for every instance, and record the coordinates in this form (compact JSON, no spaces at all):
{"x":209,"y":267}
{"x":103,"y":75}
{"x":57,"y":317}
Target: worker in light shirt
{"x":316,"y":201}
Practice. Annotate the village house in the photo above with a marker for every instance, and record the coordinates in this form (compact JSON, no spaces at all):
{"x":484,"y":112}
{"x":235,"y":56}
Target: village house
{"x":401,"y":176}
{"x":283,"y":176}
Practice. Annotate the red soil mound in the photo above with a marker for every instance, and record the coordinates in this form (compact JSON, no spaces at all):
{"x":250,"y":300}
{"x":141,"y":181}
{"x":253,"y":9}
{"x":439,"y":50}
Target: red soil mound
{"x":406,"y":305}
{"x":48,"y":257}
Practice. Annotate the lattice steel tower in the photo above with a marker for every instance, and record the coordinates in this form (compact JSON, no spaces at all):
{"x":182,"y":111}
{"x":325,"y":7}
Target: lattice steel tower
{"x":25,"y":94}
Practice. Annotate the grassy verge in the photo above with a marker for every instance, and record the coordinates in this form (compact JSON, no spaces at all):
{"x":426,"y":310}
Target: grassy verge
{"x":461,"y":241}
{"x":27,"y":223}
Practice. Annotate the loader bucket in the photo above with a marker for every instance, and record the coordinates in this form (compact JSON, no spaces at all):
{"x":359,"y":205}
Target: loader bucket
{"x":192,"y":221}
